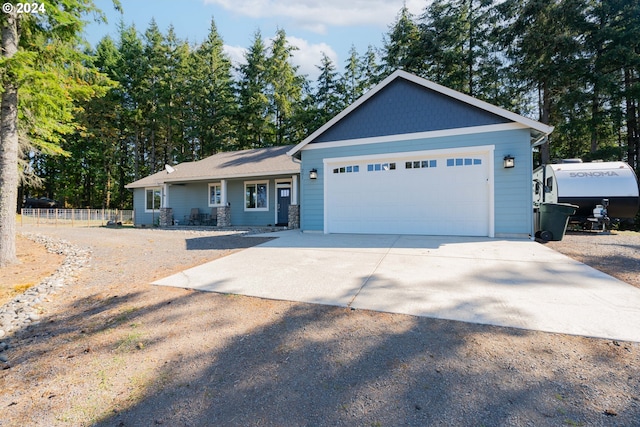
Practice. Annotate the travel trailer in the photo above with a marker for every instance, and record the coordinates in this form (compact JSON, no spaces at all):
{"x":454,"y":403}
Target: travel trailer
{"x":589,"y":185}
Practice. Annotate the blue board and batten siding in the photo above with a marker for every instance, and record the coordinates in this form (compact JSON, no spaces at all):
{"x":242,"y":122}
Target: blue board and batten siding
{"x":512,"y":187}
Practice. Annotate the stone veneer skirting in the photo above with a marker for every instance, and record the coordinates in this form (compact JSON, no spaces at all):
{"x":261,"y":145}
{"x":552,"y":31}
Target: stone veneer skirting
{"x":224,"y":216}
{"x":294,"y":216}
{"x":166,"y":217}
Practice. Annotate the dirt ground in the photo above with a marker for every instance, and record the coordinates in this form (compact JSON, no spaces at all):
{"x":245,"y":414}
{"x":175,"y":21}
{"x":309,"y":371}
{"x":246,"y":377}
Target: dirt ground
{"x":112,"y":350}
{"x":36,"y":263}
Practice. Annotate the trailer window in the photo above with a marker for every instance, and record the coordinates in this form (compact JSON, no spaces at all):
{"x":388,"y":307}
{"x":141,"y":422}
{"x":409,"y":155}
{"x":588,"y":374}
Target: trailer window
{"x":549,"y":184}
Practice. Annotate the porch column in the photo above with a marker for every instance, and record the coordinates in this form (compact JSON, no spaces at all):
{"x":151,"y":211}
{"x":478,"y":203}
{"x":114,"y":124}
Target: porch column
{"x":223,"y":192}
{"x":224,"y":211}
{"x":164,"y":197}
{"x":294,"y":208}
{"x":294,"y":190}
{"x":166,"y":213}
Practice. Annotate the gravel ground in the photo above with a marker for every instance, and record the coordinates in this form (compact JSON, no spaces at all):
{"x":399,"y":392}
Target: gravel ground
{"x":616,"y":253}
{"x":111,"y":350}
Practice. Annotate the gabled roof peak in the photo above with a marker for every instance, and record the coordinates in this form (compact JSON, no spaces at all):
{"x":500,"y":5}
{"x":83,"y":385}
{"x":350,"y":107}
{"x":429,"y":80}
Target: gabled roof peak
{"x":538,"y":129}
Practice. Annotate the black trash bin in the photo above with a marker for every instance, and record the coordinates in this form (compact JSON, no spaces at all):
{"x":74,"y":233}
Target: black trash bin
{"x":553,"y":220}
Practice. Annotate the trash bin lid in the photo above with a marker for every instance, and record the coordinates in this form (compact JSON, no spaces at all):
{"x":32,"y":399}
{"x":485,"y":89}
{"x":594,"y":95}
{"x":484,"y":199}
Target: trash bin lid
{"x":565,"y":208}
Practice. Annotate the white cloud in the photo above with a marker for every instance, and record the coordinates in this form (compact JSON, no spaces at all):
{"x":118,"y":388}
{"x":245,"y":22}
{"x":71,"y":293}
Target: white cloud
{"x":236,"y":54}
{"x":306,"y":57}
{"x":317,"y":15}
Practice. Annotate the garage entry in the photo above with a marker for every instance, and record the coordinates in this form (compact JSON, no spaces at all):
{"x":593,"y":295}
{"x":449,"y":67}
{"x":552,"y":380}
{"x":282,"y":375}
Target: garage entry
{"x":440,"y":192}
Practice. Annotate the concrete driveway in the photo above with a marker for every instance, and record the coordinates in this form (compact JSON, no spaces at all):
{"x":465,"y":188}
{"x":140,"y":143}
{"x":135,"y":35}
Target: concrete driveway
{"x":513,"y":283}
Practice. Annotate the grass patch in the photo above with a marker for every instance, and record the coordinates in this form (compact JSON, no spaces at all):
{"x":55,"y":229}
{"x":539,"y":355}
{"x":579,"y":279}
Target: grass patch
{"x":123,"y":315}
{"x":132,"y":341}
{"x":18,"y":289}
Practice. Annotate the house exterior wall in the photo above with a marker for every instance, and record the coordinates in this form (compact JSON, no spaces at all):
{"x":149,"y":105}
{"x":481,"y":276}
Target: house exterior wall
{"x":183,"y":198}
{"x":512,"y":187}
{"x":139,"y":214}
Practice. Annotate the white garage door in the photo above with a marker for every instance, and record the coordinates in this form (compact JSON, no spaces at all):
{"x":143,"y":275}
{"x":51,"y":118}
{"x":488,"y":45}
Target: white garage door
{"x":444,"y":194}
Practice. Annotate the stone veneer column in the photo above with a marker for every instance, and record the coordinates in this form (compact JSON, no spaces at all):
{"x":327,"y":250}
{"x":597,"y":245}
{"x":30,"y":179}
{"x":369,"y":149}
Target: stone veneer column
{"x":224,"y":216}
{"x":166,"y":217}
{"x":294,"y":216}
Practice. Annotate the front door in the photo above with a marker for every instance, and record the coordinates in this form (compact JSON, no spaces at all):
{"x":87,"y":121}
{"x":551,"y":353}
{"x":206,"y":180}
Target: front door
{"x":284,"y":200}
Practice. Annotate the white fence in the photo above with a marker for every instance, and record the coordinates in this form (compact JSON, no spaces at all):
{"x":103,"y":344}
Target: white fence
{"x":75,"y":217}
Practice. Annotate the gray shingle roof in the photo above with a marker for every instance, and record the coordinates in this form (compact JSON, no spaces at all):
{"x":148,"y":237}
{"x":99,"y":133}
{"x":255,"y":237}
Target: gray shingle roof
{"x":231,"y":164}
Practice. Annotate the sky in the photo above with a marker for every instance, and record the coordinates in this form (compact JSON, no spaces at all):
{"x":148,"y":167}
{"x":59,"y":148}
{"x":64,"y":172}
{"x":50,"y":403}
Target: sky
{"x":313,"y":26}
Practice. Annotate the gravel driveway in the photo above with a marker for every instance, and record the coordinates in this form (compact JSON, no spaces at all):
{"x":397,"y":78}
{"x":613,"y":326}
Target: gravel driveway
{"x":112,"y":350}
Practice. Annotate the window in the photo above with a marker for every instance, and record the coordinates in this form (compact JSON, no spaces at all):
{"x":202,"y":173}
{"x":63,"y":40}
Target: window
{"x":347,"y":169}
{"x":381,"y":167}
{"x":215,"y":194}
{"x":464,"y":162}
{"x":152,"y":199}
{"x":421,"y":164}
{"x":256,"y":195}
{"x":549,"y":186}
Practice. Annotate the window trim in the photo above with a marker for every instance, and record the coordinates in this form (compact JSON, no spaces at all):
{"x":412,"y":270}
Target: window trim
{"x":146,"y":198}
{"x":214,"y":184}
{"x":256,"y":209}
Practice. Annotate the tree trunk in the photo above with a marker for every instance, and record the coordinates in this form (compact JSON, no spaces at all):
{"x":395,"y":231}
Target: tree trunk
{"x":633,"y":133}
{"x":595,"y":118}
{"x":9,"y":147}
{"x":545,"y":114}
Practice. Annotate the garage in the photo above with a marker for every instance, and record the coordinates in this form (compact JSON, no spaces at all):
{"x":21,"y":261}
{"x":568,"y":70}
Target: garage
{"x":414,"y":157}
{"x":440,"y":192}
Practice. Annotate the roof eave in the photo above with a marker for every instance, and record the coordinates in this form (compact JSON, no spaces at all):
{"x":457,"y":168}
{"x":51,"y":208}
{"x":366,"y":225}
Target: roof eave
{"x":205,"y":178}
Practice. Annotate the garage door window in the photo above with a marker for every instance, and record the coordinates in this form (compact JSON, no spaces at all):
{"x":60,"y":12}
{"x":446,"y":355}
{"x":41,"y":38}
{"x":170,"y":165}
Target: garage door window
{"x":347,"y":169}
{"x":464,"y":162}
{"x":375,"y":167}
{"x":421,"y":164}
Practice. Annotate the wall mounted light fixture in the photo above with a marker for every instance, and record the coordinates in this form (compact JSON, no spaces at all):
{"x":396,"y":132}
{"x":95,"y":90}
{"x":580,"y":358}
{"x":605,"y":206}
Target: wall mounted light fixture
{"x":313,"y":174}
{"x":509,"y":161}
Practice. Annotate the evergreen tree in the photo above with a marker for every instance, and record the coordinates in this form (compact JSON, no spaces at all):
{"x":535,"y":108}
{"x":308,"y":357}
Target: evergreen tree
{"x":254,"y":126}
{"x":329,"y":96}
{"x":175,"y":97}
{"x":545,"y":51}
{"x":131,"y":70}
{"x":370,"y":70}
{"x":212,"y":98}
{"x":458,"y":48}
{"x":43,"y":75}
{"x":352,"y":77}
{"x":284,"y":89}
{"x":401,"y":44}
{"x":153,"y":96}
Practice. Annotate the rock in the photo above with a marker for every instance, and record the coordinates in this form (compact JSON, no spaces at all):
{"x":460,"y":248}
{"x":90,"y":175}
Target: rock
{"x":19,"y":313}
{"x":3,"y":358}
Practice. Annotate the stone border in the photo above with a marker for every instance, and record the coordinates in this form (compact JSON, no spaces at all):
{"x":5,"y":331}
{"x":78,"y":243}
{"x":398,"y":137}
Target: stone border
{"x":24,"y":310}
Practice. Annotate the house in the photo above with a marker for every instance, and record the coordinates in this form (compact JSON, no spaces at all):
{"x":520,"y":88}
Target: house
{"x":414,"y":157}
{"x":243,"y":188}
{"x":408,"y":157}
